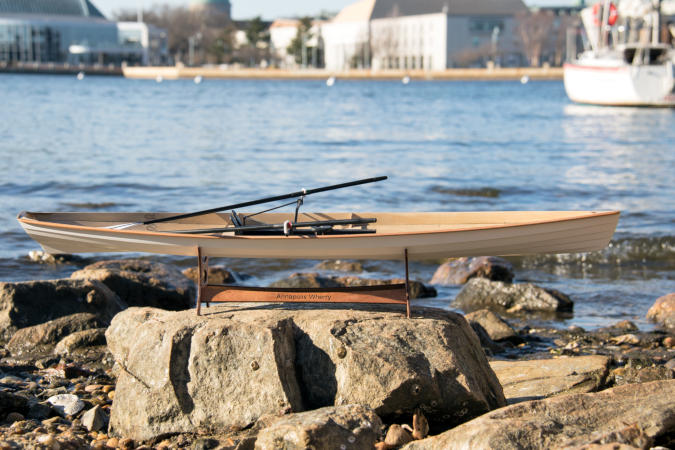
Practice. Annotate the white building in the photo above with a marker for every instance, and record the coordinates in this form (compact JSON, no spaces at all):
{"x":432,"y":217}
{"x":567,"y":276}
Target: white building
{"x":282,"y":33}
{"x":146,"y":44}
{"x":347,"y":37}
{"x":422,"y":34}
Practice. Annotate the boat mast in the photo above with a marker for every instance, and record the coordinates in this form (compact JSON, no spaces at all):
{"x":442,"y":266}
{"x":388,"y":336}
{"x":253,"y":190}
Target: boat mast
{"x":604,"y":23}
{"x":656,"y":24}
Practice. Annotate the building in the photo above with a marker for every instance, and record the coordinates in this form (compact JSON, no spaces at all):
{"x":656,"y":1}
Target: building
{"x":282,"y":34}
{"x":423,"y":34}
{"x":347,"y":37}
{"x":212,"y":6}
{"x":73,"y":32}
{"x":144,"y":44}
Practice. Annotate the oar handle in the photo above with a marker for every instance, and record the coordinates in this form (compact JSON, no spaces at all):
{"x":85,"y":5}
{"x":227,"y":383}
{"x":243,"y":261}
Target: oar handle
{"x":267,"y":200}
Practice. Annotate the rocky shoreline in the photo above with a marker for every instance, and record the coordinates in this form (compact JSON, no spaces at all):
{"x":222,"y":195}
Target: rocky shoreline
{"x":114,"y":358}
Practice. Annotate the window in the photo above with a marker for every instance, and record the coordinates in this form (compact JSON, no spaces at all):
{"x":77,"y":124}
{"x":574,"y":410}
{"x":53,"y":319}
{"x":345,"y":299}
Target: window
{"x":485,"y":26}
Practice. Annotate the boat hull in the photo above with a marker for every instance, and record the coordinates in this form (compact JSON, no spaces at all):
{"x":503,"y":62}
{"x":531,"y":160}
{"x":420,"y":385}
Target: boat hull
{"x":424,"y":235}
{"x":623,"y":84}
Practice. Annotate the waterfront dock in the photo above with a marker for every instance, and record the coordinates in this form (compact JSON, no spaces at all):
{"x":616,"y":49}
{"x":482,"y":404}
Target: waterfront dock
{"x":178,"y":72}
{"x":59,"y":69}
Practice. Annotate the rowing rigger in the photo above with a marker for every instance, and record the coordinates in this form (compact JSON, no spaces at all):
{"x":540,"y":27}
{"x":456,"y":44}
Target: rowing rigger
{"x":241,"y":222}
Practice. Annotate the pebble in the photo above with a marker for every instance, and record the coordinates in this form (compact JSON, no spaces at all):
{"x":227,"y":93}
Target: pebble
{"x":112,"y":443}
{"x":126,"y":443}
{"x":669,"y":342}
{"x":67,"y":404}
{"x":627,"y":339}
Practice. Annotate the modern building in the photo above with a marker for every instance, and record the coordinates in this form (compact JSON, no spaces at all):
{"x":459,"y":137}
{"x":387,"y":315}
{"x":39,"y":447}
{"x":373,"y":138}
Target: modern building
{"x":74,"y":32}
{"x":423,"y":34}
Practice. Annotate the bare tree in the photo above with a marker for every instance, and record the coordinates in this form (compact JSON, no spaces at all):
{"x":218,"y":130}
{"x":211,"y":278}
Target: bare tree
{"x":207,"y":29}
{"x":534,"y":30}
{"x":474,"y":56}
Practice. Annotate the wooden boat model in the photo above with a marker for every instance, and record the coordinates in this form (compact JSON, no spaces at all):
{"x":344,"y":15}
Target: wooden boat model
{"x":377,"y":235}
{"x":429,"y":235}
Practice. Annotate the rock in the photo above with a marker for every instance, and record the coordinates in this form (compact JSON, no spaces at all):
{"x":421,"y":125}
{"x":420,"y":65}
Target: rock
{"x":489,"y":346}
{"x":66,"y":404}
{"x":417,"y":288}
{"x":397,"y":436}
{"x":306,"y":281}
{"x":142,"y":283}
{"x":10,"y":403}
{"x":14,"y":417}
{"x":663,"y":311}
{"x":180,"y":371}
{"x":315,"y":280}
{"x":622,"y":326}
{"x":80,"y":339}
{"x":217,"y":275}
{"x":38,"y":410}
{"x":229,"y":367}
{"x":461,"y":270}
{"x":205,"y":444}
{"x":340,"y":266}
{"x":479,"y":293}
{"x":630,"y":339}
{"x":35,"y":302}
{"x":627,"y":414}
{"x":346,"y":426}
{"x":42,"y":257}
{"x":95,"y":419}
{"x":39,"y":338}
{"x":540,"y":378}
{"x":637,"y":374}
{"x":670,"y":364}
{"x":496,"y":327}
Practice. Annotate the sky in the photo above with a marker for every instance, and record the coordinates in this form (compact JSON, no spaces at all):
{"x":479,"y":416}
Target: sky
{"x":268,"y":9}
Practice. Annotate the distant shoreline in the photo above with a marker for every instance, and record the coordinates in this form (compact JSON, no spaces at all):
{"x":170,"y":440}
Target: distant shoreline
{"x":178,"y":72}
{"x":182,"y":72}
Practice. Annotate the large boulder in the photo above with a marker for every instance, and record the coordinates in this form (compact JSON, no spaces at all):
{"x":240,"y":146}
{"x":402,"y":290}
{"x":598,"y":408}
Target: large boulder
{"x":234,"y":364}
{"x":638,"y":415}
{"x":315,"y":280}
{"x":461,"y":270}
{"x":43,"y":337}
{"x":508,"y":298}
{"x":142,"y":283}
{"x":352,"y":426}
{"x":540,"y":378}
{"x":663,"y":311}
{"x":30,"y":303}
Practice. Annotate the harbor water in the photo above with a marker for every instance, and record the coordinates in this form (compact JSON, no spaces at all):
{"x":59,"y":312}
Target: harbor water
{"x":111,"y":144}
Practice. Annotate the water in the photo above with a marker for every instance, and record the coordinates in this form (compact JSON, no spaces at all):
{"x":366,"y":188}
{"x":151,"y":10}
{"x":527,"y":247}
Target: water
{"x":110,"y":144}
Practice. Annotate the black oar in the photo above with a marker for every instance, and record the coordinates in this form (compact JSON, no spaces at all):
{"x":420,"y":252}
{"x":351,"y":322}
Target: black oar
{"x":252,"y":202}
{"x":277,"y":226}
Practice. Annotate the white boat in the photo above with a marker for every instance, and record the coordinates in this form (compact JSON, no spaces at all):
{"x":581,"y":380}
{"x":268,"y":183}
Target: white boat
{"x":375,"y":235}
{"x":622,"y":68}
